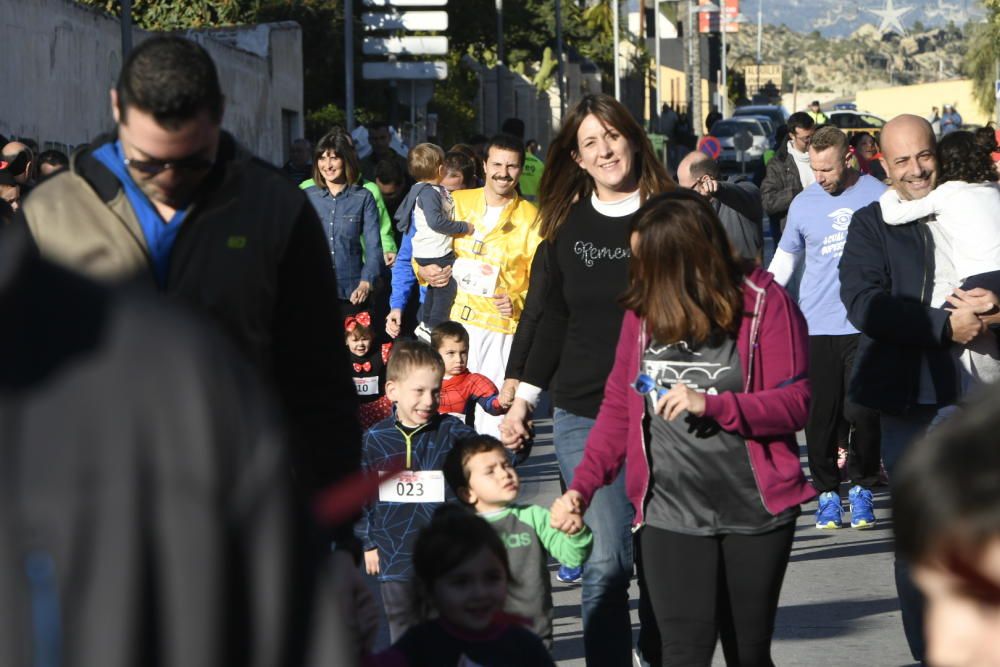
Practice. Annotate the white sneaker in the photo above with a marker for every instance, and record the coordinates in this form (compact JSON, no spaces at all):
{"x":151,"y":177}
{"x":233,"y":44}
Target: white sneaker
{"x":423,"y":333}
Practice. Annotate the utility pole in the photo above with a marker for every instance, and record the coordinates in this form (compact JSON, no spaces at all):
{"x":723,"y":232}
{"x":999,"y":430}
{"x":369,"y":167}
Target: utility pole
{"x":349,"y":64}
{"x":760,"y":33}
{"x":656,"y":40}
{"x":499,"y":62}
{"x":561,"y":68}
{"x":617,"y":64}
{"x":126,"y":25}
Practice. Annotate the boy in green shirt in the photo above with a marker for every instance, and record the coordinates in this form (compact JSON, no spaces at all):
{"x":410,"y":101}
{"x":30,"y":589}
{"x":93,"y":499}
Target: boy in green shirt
{"x":480,"y":472}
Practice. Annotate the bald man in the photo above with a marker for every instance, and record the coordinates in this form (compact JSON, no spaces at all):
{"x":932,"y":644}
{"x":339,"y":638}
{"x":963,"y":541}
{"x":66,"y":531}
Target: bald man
{"x":21,"y":164}
{"x":737,"y":204}
{"x":893,"y":280}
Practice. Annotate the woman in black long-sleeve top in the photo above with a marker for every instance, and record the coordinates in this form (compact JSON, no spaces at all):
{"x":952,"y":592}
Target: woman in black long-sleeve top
{"x":599,"y":170}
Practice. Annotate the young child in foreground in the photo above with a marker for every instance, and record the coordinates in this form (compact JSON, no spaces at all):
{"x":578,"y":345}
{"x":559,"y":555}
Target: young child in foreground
{"x":417,"y":439}
{"x":461,"y":388}
{"x":368,"y":365}
{"x":945,"y":497}
{"x":480,"y":472}
{"x":462,"y":575}
{"x":432,"y":211}
{"x":966,"y":205}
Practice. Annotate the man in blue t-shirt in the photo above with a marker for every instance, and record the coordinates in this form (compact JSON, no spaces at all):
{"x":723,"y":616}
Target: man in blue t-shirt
{"x":815,"y":234}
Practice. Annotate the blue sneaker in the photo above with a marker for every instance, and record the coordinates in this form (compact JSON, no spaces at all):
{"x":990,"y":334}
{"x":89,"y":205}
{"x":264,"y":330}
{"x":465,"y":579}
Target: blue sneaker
{"x":570,"y":575}
{"x":828,"y":516}
{"x":862,"y":509}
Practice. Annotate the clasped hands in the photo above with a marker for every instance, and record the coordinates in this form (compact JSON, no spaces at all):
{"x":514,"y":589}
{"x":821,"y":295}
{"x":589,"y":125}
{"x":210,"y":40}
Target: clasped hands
{"x":566,"y":513}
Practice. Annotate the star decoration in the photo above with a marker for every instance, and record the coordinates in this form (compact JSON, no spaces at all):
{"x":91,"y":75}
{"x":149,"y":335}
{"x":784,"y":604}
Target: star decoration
{"x":890,"y":18}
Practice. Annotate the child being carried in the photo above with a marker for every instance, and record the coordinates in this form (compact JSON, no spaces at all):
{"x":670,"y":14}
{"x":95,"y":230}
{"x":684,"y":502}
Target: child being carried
{"x":966,"y":206}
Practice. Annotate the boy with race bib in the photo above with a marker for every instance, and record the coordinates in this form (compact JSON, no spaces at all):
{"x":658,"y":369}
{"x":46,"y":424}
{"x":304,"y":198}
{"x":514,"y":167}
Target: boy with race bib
{"x":416,"y":439}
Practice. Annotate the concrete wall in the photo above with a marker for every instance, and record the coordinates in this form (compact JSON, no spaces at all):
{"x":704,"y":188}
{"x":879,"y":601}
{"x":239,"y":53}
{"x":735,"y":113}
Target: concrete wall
{"x":918,"y":99}
{"x":62,"y":59}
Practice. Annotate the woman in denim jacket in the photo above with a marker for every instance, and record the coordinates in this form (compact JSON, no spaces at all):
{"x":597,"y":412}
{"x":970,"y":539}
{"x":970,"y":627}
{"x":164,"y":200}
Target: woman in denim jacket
{"x":349,"y":217}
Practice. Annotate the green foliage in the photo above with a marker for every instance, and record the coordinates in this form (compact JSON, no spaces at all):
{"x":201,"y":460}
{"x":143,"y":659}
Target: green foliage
{"x":453,"y":102}
{"x":180,"y":14}
{"x":981,"y":58}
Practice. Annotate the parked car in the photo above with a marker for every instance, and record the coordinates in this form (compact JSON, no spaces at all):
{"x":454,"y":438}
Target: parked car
{"x":777,"y":114}
{"x":769,"y":128}
{"x":853,"y":122}
{"x":726,"y":130}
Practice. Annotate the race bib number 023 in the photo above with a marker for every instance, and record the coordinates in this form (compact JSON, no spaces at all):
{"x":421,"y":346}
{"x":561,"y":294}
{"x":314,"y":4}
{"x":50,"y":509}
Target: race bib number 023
{"x":413,"y":486}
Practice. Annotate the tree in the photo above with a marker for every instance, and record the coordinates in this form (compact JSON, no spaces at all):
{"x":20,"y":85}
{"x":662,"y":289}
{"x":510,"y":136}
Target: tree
{"x":982,"y":56}
{"x":180,"y":14}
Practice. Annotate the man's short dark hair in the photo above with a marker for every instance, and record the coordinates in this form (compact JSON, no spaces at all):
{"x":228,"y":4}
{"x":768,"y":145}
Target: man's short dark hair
{"x":378,"y":125}
{"x":463,"y":164}
{"x":389,"y":171}
{"x":799,"y":119}
{"x":172,"y":78}
{"x":506,"y":142}
{"x":513,"y":127}
{"x":53,"y":157}
{"x":706,"y":167}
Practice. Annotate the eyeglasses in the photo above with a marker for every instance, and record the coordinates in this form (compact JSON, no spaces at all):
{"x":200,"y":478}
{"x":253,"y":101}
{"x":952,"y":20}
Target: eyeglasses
{"x":155,"y":167}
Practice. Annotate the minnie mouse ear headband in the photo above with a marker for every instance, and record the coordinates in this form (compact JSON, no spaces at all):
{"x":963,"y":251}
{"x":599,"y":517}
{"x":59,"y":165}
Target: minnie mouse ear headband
{"x":353,"y":321}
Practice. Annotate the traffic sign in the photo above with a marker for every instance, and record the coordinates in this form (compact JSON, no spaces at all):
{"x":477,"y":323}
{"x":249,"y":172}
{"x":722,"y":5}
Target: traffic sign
{"x":742,"y":140}
{"x":405,"y":71}
{"x":405,"y":20}
{"x":405,"y":46}
{"x":710,"y":146}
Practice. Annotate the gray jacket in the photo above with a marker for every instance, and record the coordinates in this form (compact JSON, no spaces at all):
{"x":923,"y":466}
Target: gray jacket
{"x":780,"y":185}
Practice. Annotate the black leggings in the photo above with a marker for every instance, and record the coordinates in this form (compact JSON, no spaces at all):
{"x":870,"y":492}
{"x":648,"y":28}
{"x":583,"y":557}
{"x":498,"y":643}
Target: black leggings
{"x":702,"y":588}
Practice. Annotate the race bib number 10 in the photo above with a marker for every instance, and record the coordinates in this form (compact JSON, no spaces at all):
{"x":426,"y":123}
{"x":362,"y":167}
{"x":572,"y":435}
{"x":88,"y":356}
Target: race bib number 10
{"x":413,"y":486}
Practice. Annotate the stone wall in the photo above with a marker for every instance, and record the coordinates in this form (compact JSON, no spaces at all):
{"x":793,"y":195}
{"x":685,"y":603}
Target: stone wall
{"x":61,"y":59}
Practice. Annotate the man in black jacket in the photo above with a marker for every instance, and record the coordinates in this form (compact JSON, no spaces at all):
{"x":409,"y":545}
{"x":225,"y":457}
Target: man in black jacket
{"x":888,"y":275}
{"x":174,"y":202}
{"x":737,"y":204}
{"x":788,"y":172}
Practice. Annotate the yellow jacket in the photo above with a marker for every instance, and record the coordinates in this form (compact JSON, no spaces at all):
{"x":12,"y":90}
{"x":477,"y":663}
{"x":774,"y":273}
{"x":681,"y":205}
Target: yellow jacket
{"x":510,"y":246}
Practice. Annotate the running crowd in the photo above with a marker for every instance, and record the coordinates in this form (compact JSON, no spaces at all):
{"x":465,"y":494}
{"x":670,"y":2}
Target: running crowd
{"x":340,"y":371}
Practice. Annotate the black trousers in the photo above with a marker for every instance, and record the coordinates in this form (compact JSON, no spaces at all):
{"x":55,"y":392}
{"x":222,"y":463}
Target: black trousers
{"x":707,"y":588}
{"x":831,"y":361}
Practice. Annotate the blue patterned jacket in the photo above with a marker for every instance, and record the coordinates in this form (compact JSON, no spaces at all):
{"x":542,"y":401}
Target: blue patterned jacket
{"x":392,"y":527}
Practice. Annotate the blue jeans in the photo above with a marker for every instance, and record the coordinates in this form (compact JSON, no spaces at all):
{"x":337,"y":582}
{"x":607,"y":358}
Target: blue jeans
{"x":607,"y":627}
{"x":898,"y":432}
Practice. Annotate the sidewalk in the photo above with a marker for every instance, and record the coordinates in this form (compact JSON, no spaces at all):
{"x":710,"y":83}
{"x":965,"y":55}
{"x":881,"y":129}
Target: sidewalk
{"x":838,"y":604}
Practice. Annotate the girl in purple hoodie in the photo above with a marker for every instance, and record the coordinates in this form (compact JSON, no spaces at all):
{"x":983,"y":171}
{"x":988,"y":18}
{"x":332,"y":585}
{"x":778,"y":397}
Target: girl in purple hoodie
{"x":701,"y":407}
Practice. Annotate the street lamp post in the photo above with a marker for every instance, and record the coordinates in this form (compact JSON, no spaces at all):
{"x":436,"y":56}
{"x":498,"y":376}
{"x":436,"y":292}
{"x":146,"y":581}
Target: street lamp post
{"x":724,"y":22}
{"x":616,"y":46}
{"x":694,"y":59}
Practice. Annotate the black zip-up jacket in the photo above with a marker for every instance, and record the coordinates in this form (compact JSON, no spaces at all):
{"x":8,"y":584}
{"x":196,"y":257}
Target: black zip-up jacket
{"x":250,"y":256}
{"x":886,"y":282}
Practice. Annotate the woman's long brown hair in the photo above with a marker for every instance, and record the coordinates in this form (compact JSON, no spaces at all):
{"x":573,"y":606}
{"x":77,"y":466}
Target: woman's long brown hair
{"x":342,"y":145}
{"x":684,"y":278}
{"x":564,"y":183}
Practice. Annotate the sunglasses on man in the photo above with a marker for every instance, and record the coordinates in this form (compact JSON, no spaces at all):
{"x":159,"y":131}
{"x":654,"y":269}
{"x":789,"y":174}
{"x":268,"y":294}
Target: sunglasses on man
{"x":156,"y":167}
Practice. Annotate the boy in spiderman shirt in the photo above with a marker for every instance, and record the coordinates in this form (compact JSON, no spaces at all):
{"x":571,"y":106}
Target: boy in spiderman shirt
{"x":462,"y":389}
{"x":368,"y":362}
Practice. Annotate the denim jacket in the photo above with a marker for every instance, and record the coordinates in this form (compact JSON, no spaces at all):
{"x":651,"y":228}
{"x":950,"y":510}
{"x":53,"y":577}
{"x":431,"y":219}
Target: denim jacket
{"x":345,"y":218}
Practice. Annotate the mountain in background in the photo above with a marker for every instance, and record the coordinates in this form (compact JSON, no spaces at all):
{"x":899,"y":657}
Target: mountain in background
{"x":839,"y":18}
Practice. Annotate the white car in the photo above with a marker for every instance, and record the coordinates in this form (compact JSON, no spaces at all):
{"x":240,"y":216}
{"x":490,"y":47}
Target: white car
{"x":726,"y":130}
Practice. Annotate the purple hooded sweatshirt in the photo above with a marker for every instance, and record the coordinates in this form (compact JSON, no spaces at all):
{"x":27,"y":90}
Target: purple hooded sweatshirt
{"x":774,"y":404}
